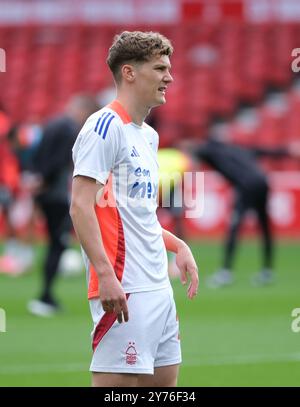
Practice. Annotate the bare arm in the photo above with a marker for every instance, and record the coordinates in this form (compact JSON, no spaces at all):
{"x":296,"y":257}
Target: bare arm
{"x":112,"y":296}
{"x":185,"y":261}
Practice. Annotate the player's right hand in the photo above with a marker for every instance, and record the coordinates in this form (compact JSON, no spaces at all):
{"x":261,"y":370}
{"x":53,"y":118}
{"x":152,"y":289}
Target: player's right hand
{"x":112,"y":297}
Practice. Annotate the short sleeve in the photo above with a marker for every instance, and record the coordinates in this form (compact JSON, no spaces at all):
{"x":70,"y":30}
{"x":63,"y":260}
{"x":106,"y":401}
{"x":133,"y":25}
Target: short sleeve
{"x":96,"y":148}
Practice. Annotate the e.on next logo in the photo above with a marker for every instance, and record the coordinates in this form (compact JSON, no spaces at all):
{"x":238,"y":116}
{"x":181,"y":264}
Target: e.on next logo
{"x":2,"y":60}
{"x":2,"y":320}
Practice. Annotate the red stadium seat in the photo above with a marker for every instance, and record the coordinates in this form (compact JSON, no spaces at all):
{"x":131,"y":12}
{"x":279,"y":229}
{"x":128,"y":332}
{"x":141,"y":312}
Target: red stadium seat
{"x":215,"y":67}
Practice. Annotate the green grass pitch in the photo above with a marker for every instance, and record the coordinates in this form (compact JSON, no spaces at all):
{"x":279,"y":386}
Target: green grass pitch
{"x":236,"y":336}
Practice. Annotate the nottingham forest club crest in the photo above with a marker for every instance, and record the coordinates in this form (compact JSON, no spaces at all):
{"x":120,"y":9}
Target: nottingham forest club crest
{"x":131,"y":354}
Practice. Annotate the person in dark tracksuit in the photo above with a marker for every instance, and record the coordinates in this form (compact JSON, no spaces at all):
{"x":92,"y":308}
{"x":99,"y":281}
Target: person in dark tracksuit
{"x":53,"y":163}
{"x":239,"y":166}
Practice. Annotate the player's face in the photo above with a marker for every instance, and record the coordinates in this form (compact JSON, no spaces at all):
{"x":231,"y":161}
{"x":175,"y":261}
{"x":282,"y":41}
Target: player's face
{"x":152,"y":80}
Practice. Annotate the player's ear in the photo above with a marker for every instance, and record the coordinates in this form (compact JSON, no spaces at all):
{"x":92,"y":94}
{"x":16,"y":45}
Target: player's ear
{"x":128,"y":72}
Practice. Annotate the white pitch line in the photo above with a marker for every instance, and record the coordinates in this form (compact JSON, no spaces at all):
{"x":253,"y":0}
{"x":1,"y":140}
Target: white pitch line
{"x":220,"y":361}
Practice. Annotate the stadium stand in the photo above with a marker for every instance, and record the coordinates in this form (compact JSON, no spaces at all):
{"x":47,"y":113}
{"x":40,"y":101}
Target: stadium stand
{"x":218,"y":69}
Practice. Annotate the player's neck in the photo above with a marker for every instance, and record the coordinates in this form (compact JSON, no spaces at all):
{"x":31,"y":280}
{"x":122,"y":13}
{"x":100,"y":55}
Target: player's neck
{"x":135,"y":110}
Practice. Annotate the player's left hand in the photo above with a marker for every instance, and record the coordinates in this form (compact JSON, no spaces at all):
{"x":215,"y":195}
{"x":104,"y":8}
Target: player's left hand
{"x":188,"y":269}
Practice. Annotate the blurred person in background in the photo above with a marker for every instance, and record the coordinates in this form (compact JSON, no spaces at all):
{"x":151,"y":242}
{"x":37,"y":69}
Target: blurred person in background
{"x":173,"y":163}
{"x":53,"y":166}
{"x":240,"y":168}
{"x":123,"y":244}
{"x":8,"y":164}
{"x":9,"y":169}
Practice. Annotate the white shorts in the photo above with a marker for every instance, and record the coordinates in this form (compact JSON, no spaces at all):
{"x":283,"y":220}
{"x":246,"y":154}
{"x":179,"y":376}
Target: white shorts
{"x":149,"y":339}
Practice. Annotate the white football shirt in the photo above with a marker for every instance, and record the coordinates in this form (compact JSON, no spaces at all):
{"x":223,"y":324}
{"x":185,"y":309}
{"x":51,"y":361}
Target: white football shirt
{"x":123,"y":156}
